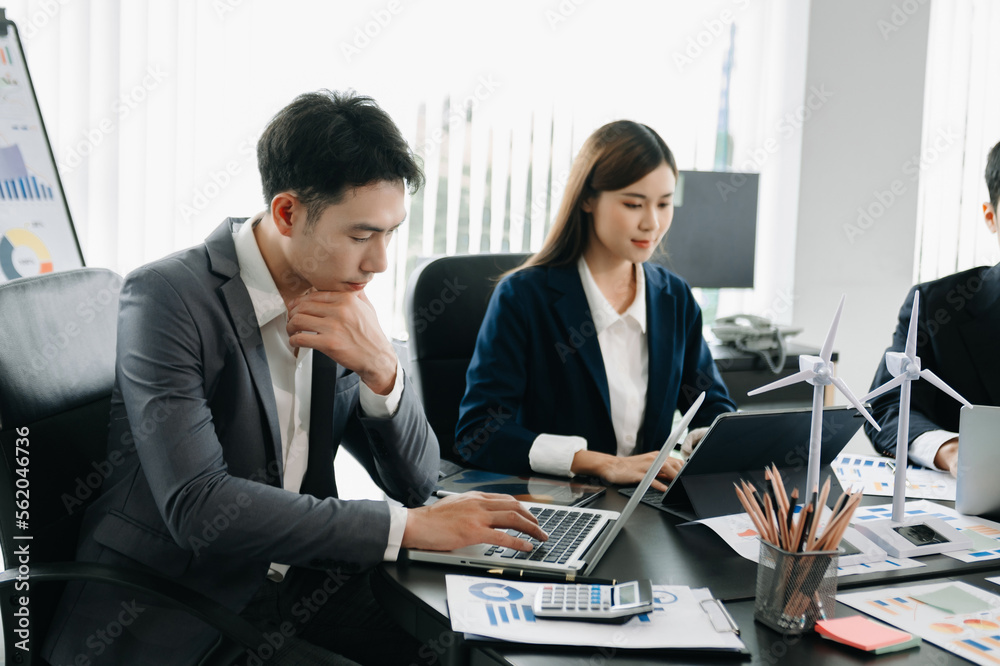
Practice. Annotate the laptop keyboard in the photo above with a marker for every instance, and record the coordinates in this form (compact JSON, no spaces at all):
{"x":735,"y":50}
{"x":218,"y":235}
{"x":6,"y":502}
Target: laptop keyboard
{"x":652,"y":496}
{"x":566,"y":530}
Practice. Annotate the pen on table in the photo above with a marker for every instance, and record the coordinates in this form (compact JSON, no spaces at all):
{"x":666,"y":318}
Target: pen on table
{"x":715,"y":603}
{"x":444,"y":493}
{"x":892,"y":468}
{"x":542,"y":577}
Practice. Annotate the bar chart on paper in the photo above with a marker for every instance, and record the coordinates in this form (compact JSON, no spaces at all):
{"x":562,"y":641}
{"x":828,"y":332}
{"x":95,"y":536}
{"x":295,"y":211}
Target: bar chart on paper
{"x":504,"y":604}
{"x":874,"y":475}
{"x":972,"y":633}
{"x":500,"y":609}
{"x":985,"y":534}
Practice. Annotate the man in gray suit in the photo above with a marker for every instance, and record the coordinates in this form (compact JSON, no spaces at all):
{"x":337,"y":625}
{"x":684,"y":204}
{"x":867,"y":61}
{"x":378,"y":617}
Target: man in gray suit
{"x":242,"y":365}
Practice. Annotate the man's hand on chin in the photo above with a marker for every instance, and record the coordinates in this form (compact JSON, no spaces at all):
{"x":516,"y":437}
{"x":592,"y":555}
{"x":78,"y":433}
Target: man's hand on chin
{"x":343,"y":325}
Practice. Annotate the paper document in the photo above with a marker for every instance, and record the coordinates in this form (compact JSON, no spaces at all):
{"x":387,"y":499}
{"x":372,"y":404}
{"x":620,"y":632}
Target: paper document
{"x":501,"y":609}
{"x":738,"y":532}
{"x":974,"y":636}
{"x":985,"y":534}
{"x":875,"y":475}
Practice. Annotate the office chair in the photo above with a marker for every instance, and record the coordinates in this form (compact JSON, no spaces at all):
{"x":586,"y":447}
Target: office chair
{"x":57,"y":370}
{"x":446,"y":301}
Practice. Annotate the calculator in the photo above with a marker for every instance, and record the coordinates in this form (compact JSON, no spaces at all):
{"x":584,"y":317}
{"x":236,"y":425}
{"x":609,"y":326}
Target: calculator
{"x":599,"y":603}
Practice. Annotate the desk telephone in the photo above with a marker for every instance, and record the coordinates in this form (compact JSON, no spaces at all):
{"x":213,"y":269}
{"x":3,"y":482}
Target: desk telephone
{"x":755,"y":335}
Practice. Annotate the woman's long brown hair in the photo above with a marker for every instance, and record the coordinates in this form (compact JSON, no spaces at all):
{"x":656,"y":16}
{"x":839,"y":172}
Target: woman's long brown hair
{"x":612,"y":158}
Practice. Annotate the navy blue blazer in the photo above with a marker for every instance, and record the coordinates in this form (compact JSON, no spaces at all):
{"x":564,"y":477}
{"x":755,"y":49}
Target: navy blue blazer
{"x":958,"y":327}
{"x":537,"y":368}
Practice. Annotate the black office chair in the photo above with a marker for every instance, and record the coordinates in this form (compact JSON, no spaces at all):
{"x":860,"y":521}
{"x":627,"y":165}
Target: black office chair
{"x":446,"y":300}
{"x":57,"y":369}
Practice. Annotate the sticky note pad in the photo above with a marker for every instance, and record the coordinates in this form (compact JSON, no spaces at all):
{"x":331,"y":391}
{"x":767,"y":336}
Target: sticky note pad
{"x":905,"y":645}
{"x":953,"y":599}
{"x":860,"y":632}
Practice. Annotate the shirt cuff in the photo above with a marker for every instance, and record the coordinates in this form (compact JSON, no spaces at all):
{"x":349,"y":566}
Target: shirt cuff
{"x":382,"y":406}
{"x":925,"y":447}
{"x":553,"y":454}
{"x":397,"y":525}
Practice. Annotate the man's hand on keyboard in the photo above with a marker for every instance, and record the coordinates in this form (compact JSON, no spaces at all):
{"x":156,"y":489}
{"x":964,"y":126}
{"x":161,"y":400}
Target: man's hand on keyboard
{"x":470,"y":518}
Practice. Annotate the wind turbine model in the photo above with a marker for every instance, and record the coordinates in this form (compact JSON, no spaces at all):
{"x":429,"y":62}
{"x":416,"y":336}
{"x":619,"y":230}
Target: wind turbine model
{"x":922,"y":536}
{"x":818,"y":371}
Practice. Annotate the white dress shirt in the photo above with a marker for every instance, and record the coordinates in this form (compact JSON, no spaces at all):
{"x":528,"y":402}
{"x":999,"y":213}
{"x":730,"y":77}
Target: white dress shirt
{"x":622,"y":339}
{"x":291,"y":379}
{"x":924,"y":448}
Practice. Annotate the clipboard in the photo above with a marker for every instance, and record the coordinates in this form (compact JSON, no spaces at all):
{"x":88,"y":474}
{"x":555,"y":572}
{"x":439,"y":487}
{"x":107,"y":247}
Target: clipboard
{"x":492,"y":611}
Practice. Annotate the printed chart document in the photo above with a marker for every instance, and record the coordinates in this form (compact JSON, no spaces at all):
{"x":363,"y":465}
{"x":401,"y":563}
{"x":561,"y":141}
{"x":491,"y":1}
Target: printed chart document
{"x":955,"y":616}
{"x":683,"y":618}
{"x":874,"y":475}
{"x":740,"y":534}
{"x":985,"y":534}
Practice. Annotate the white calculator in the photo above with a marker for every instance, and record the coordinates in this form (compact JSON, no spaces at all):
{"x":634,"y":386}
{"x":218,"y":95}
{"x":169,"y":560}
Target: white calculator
{"x":608,"y":603}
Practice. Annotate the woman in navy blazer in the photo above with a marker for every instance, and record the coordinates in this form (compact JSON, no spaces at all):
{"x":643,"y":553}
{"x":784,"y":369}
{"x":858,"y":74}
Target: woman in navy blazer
{"x":586,"y":351}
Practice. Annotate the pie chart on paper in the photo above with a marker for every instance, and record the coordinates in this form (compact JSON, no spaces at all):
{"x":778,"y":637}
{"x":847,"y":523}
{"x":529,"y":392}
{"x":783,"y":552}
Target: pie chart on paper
{"x":23,"y":254}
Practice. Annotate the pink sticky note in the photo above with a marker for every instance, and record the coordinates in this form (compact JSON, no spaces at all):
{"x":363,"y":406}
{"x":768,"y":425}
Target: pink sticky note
{"x":860,"y":632}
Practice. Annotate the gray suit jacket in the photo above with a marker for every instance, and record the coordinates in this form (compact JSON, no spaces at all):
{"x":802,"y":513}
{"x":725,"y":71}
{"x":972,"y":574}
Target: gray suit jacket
{"x":194,"y":491}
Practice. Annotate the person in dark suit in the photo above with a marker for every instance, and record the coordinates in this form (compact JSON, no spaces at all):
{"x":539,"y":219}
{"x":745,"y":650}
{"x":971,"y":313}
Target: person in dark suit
{"x":586,"y":350}
{"x":242,"y":365}
{"x":958,"y":329}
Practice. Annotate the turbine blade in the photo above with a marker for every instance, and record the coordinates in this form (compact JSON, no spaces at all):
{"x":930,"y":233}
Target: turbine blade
{"x":937,"y":381}
{"x":911,"y":335}
{"x":839,"y":383}
{"x":799,"y":376}
{"x":885,"y":388}
{"x":827,"y":351}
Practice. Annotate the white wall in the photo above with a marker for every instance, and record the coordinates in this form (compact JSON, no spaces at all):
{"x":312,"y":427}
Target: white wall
{"x":868,"y":59}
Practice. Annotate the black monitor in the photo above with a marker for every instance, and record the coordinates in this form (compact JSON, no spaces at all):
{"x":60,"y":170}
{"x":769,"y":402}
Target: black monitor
{"x":712,"y":240}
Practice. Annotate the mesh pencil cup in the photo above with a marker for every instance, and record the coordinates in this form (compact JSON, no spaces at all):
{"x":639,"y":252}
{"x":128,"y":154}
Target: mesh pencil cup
{"x":794,"y":590}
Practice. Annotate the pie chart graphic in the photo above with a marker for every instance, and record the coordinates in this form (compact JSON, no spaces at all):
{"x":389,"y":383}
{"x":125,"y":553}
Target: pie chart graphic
{"x":495,"y":592}
{"x":985,"y":625}
{"x":23,"y":254}
{"x":945,"y":628}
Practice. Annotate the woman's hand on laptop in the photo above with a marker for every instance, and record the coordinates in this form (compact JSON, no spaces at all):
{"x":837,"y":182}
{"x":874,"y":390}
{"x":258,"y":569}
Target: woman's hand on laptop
{"x":627,"y":470}
{"x":470,"y":518}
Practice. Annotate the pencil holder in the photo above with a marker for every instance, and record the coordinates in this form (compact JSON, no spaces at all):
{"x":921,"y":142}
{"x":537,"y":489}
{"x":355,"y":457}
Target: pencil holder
{"x":794,"y":590}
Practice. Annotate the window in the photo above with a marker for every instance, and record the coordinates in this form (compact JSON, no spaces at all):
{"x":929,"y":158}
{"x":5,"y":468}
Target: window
{"x":154,"y":109}
{"x":961,"y":124}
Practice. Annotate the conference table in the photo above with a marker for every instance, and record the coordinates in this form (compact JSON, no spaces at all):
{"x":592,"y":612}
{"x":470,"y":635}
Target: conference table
{"x":656,"y":545}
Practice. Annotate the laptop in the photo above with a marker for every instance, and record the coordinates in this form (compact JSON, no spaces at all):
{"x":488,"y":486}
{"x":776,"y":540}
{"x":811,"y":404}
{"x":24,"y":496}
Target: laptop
{"x":578,"y":538}
{"x":978,"y":461}
{"x":740,"y":445}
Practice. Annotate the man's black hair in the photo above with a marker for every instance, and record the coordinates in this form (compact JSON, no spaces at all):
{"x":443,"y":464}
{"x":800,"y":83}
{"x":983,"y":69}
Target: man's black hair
{"x":327,"y":142}
{"x":993,"y":175}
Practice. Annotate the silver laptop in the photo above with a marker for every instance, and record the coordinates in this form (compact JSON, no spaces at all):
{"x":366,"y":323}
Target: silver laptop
{"x":578,"y":537}
{"x":978,"y":461}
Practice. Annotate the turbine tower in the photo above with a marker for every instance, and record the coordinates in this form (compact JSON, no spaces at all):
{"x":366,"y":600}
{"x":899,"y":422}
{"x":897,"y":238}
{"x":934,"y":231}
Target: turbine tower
{"x":818,"y":371}
{"x":901,"y":536}
{"x":905,"y":368}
